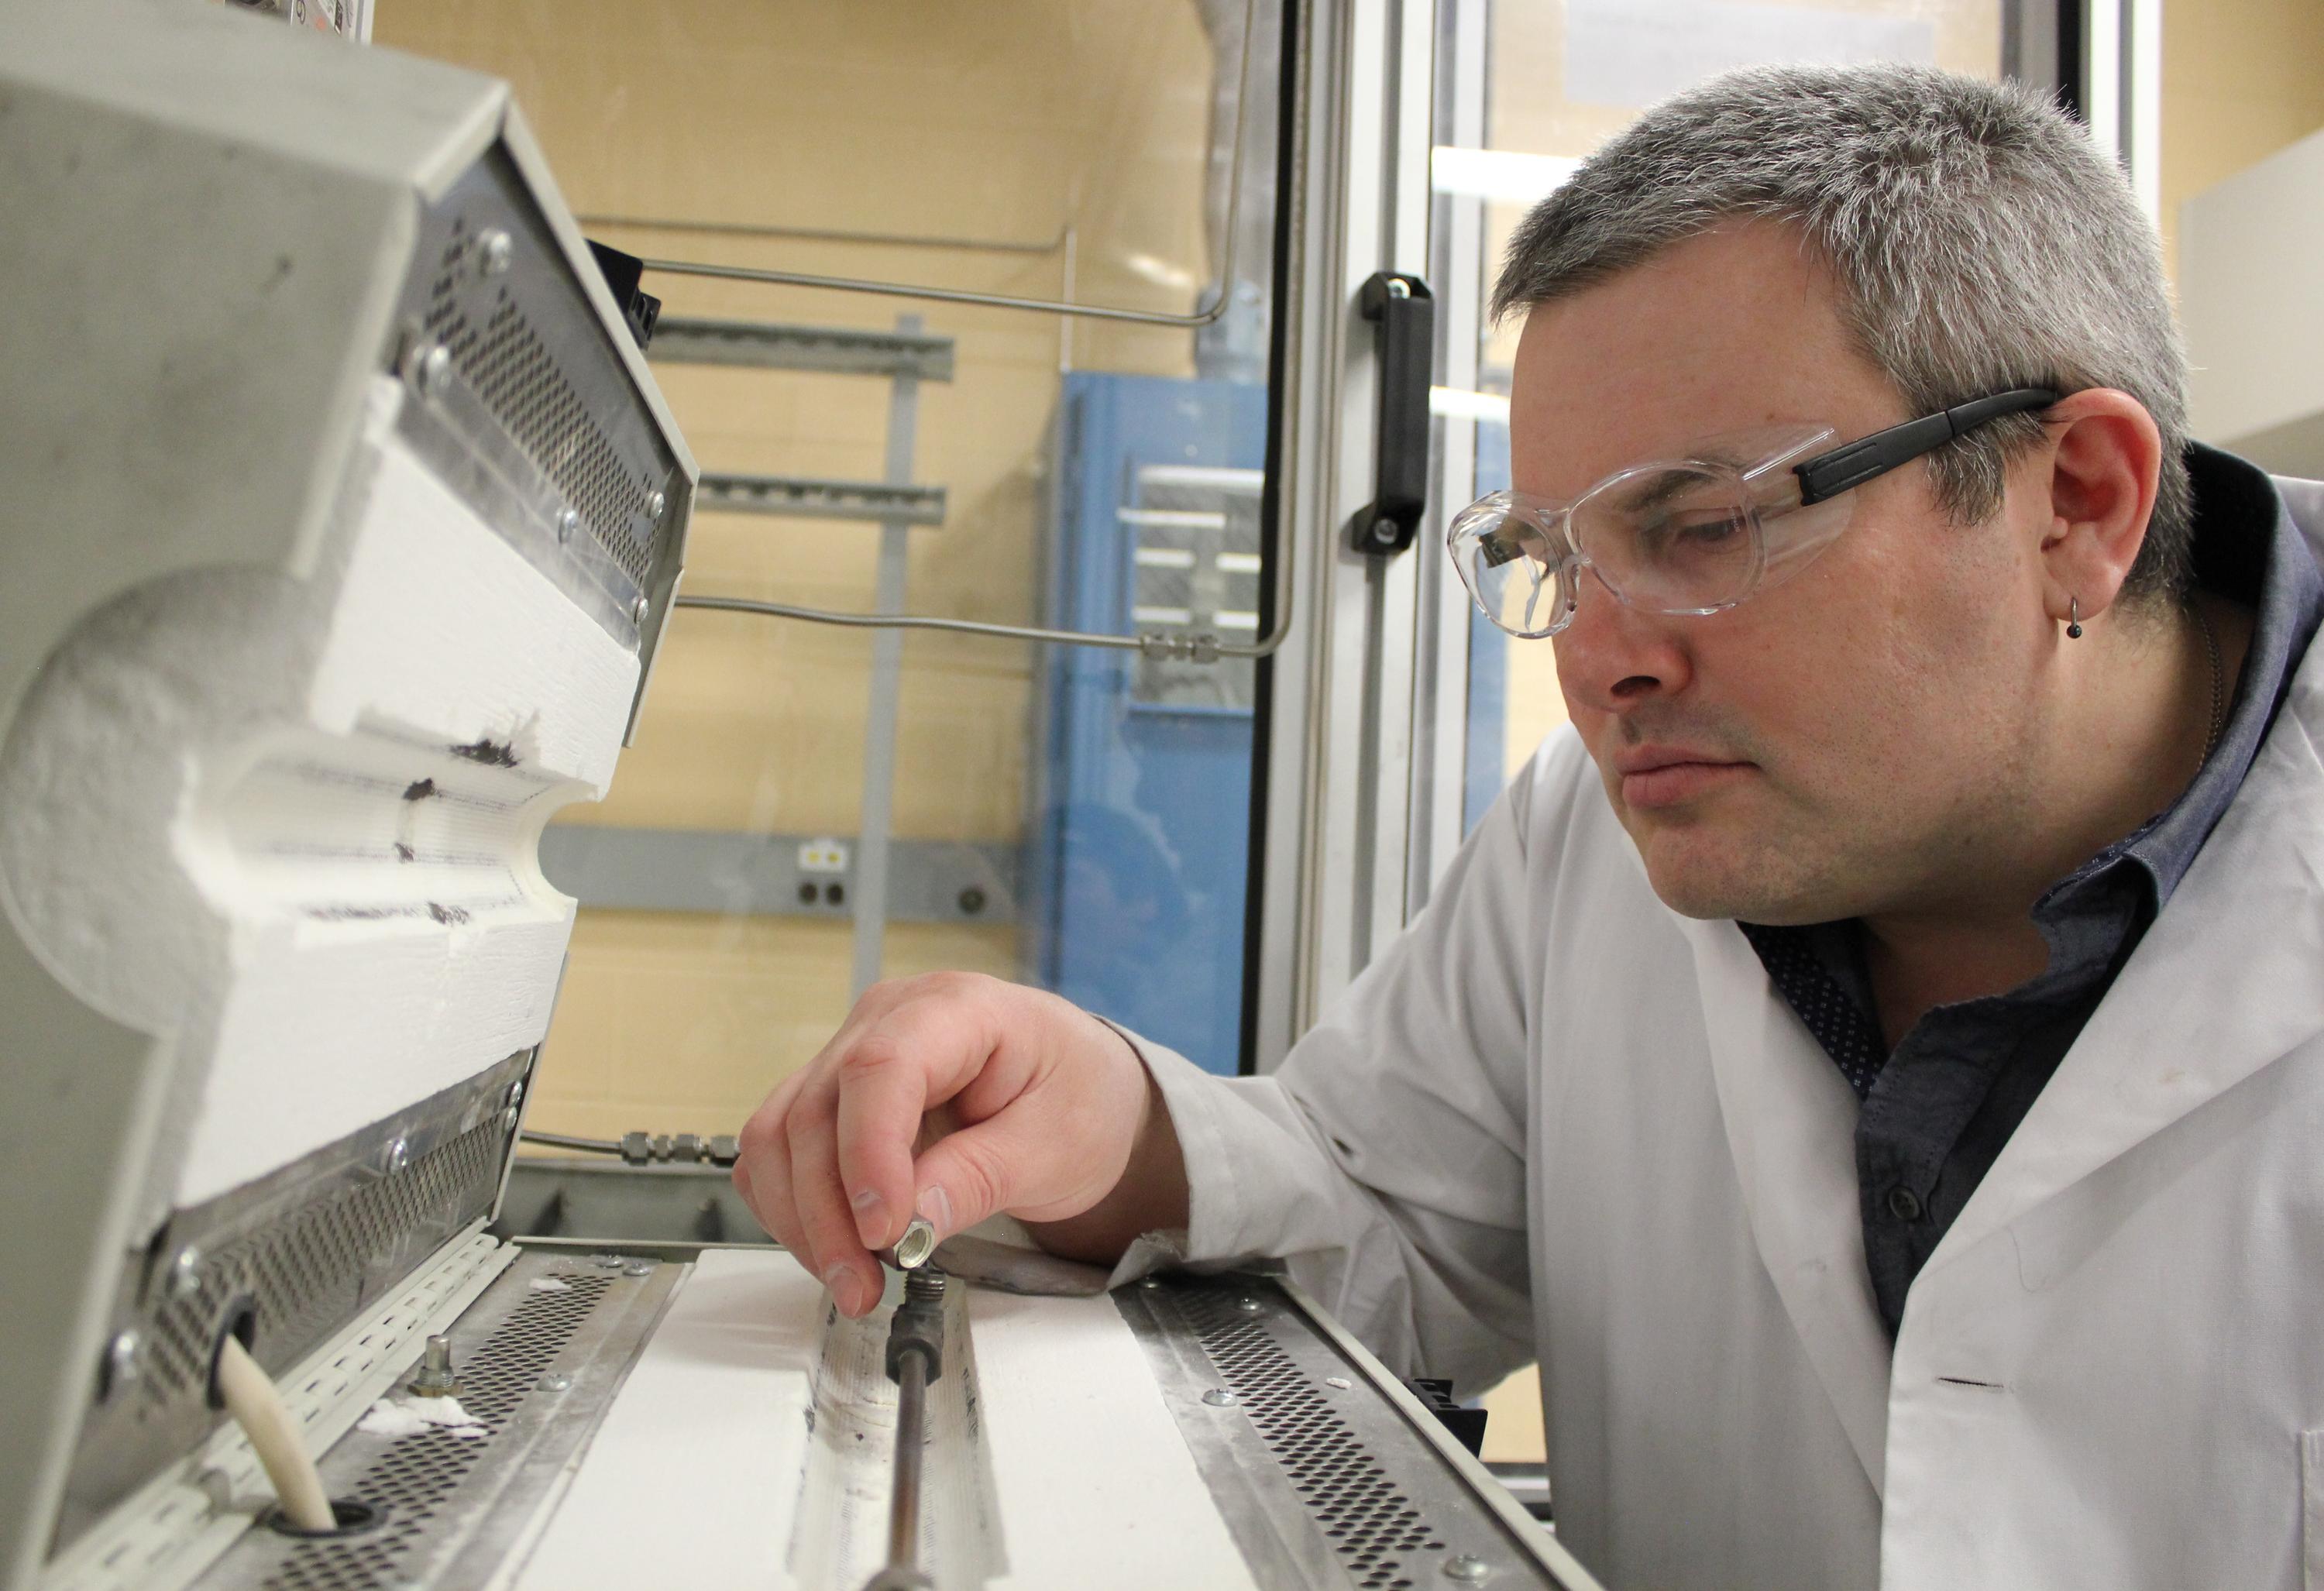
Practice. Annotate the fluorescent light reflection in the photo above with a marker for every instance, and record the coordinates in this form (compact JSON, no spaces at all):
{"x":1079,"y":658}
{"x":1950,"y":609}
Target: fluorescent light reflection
{"x":1505,"y":175}
{"x":1487,"y":409}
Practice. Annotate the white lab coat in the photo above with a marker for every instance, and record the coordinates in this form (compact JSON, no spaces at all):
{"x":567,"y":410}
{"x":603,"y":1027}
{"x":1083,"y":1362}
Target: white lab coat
{"x":1557,"y":1121}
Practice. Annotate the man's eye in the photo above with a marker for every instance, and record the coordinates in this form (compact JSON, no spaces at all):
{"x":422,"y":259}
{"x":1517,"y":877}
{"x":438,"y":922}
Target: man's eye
{"x":1678,"y":534}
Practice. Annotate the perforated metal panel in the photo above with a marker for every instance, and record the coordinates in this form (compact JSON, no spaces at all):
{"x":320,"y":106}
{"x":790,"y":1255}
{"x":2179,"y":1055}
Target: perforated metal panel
{"x":418,"y":1474}
{"x":1375,"y":1528}
{"x":495,"y":350}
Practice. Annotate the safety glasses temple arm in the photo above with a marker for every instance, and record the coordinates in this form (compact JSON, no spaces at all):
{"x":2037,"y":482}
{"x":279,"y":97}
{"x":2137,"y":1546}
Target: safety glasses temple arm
{"x":1828,"y":474}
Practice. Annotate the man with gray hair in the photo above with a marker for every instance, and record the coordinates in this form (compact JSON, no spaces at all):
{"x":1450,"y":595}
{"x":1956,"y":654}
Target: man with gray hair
{"x":1873,"y":1058}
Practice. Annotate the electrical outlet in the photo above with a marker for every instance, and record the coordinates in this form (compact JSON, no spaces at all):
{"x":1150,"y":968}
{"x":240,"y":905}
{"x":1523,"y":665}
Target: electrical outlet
{"x":822,"y":856}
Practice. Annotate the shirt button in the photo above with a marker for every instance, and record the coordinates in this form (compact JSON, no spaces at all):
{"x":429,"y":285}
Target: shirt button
{"x":1904,"y":1203}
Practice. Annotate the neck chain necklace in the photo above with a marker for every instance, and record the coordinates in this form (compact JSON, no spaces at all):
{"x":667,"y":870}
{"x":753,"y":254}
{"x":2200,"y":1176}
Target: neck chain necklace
{"x":2218,"y":683}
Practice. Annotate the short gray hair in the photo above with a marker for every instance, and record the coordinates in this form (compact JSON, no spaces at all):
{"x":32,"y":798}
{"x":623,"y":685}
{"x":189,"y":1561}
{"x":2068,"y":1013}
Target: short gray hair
{"x":1980,"y":239}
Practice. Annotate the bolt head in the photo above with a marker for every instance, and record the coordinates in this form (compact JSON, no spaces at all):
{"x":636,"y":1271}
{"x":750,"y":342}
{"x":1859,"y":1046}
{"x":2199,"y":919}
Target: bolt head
{"x":185,"y":1274}
{"x":657,"y":505}
{"x":1219,"y":1397}
{"x":509,"y":1118}
{"x":607,"y":1262}
{"x":638,"y":610}
{"x":516,"y":1093}
{"x":568,"y":522}
{"x":1249,"y":1306}
{"x":493,"y":249}
{"x":399,"y":1154}
{"x":638,"y":1268}
{"x":1467,"y":1568}
{"x":124,"y":1360}
{"x":432,"y":369}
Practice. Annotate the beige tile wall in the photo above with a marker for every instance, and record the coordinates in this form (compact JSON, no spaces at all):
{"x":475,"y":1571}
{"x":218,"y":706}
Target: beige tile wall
{"x":1010,"y":119}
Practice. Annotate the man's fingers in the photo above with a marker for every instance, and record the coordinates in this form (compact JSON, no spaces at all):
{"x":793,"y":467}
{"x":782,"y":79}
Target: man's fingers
{"x":826,"y":1225}
{"x":883,"y":1090}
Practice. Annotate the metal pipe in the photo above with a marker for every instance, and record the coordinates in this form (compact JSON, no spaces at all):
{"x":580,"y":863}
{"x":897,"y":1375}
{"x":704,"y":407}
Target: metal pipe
{"x":1224,"y":294}
{"x":566,"y":1141}
{"x":900,"y":239}
{"x":911,"y":1422}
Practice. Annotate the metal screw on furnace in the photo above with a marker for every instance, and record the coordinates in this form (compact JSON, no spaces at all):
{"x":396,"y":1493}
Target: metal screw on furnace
{"x":638,"y":610}
{"x":1219,"y":1397}
{"x":554,"y":1382}
{"x":655,"y":504}
{"x":431,"y":368}
{"x":568,"y":522}
{"x":399,"y":1154}
{"x":1467,"y":1568}
{"x":434,"y":1378}
{"x":124,"y":1361}
{"x":1249,"y":1306}
{"x":607,"y":1262}
{"x":185,"y":1274}
{"x":493,"y":251}
{"x":638,"y":1268}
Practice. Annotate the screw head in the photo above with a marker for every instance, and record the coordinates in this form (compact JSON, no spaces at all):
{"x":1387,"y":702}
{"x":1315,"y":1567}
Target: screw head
{"x":399,"y":1154}
{"x":607,"y":1262}
{"x":1219,"y":1397}
{"x":638,"y":1268}
{"x":185,"y":1274}
{"x":638,"y":610}
{"x":1249,"y":1306}
{"x":432,"y":369}
{"x":656,"y":504}
{"x":508,"y":1118}
{"x":1150,"y":1283}
{"x":516,"y":1093}
{"x":124,"y":1360}
{"x":1467,"y":1568}
{"x":972,"y":901}
{"x":554,"y":1382}
{"x":493,"y":251}
{"x":569,"y":520}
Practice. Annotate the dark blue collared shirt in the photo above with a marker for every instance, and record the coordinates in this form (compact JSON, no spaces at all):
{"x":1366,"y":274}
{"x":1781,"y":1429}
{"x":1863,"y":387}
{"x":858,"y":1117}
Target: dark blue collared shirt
{"x":1937,"y":1109}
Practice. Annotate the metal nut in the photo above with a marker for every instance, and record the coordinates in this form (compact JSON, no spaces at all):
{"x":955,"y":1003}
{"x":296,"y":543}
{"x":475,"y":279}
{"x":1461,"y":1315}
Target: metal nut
{"x":1219,"y":1397}
{"x":1467,"y":1568}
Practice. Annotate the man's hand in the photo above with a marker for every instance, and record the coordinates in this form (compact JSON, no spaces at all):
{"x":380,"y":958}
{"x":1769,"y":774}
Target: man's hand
{"x":1013,"y":1099}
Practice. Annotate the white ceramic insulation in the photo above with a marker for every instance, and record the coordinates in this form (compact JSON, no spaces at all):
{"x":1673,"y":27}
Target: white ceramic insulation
{"x":235,"y":810}
{"x":764,"y":1421}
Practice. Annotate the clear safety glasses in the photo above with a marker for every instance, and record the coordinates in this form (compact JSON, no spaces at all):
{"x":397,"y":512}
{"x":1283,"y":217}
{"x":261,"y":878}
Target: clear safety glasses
{"x":1695,"y":535}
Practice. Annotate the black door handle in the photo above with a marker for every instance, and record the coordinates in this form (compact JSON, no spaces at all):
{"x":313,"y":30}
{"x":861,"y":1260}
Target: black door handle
{"x":1406,"y":313}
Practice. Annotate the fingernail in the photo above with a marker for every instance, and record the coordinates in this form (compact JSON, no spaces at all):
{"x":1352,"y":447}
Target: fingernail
{"x":846,"y":1289}
{"x":936,"y":1208}
{"x":870,"y":1227}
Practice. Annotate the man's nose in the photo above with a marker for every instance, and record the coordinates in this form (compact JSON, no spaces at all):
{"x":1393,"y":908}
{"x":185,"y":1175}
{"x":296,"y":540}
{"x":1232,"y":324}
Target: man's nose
{"x":1614,"y":657}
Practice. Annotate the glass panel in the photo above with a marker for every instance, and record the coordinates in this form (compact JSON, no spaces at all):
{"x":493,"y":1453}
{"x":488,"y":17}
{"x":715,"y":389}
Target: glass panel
{"x":1068,"y":817}
{"x":1542,"y":86}
{"x":1552,"y":84}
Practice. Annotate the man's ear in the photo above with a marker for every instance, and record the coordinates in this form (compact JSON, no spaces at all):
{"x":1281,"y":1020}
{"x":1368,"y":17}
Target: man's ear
{"x":2094,"y":480}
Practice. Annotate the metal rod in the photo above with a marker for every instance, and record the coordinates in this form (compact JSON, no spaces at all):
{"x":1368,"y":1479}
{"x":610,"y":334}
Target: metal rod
{"x":901,"y":240}
{"x":566,"y":1141}
{"x":1200,"y":318}
{"x":870,"y":887}
{"x":911,"y":1420}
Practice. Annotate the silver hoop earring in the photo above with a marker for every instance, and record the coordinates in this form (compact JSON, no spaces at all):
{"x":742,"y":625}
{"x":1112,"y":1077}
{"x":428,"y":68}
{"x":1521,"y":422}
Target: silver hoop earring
{"x":2073,"y":619}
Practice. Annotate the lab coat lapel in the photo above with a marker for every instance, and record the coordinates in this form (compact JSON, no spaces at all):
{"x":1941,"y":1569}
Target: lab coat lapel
{"x":1791,"y":1125}
{"x":2230,"y":978}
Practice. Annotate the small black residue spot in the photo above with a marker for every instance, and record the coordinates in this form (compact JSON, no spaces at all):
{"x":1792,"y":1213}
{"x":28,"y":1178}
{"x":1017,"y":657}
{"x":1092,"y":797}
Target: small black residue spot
{"x":448,"y":915}
{"x":351,"y":913}
{"x":491,"y":753}
{"x":402,"y":852}
{"x":420,"y":790}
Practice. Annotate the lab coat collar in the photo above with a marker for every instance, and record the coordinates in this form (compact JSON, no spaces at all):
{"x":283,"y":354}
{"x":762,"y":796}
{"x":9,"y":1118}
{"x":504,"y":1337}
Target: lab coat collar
{"x":1791,"y":1127}
{"x":2224,"y":983}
